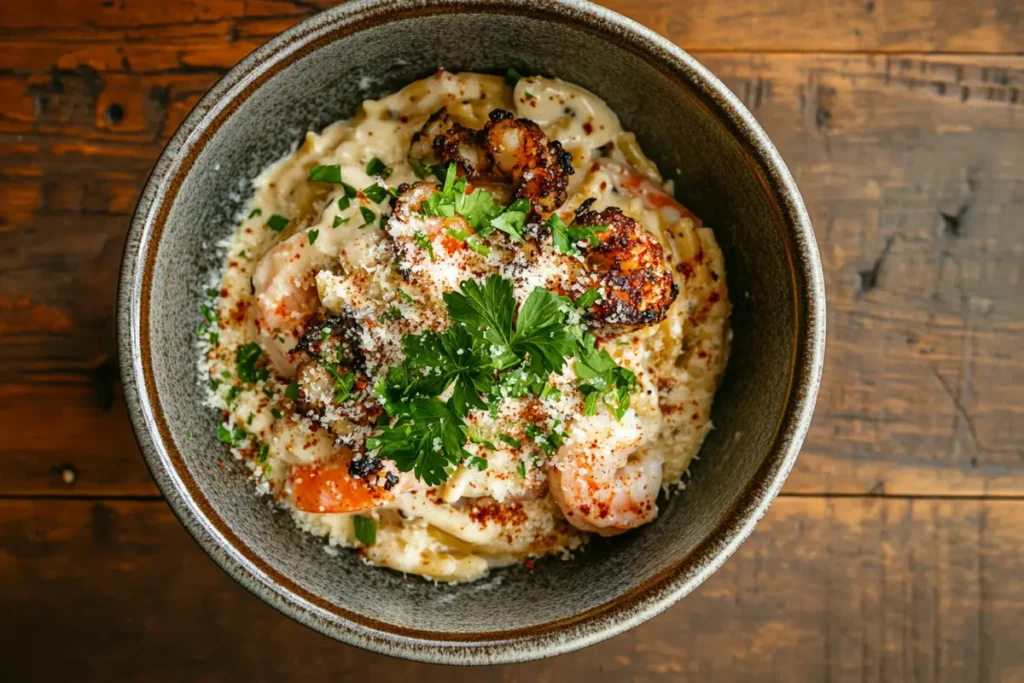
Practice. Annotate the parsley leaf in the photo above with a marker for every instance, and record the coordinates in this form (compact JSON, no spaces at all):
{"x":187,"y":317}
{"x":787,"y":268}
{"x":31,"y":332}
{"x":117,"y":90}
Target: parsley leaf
{"x":338,"y":220}
{"x":313,"y":234}
{"x":255,"y":212}
{"x":344,"y":381}
{"x":567,"y":237}
{"x":489,"y":308}
{"x":437,"y":360}
{"x":345,"y":200}
{"x":277,"y":222}
{"x":476,"y":463}
{"x":512,"y":76}
{"x":326,"y":174}
{"x":423,"y":170}
{"x":541,"y":332}
{"x":246,"y":358}
{"x":603,"y":377}
{"x":368,"y":216}
{"x":378,"y":167}
{"x":423,"y":242}
{"x":375,"y":193}
{"x":292,"y":391}
{"x":510,"y":221}
{"x":587,"y":299}
{"x":427,"y":439}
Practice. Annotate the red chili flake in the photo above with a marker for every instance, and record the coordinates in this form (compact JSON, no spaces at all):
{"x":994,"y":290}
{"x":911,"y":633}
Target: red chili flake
{"x":588,"y":127}
{"x":528,"y":563}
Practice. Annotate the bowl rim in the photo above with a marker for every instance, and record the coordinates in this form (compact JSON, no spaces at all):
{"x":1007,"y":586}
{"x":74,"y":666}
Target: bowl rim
{"x":245,"y":566}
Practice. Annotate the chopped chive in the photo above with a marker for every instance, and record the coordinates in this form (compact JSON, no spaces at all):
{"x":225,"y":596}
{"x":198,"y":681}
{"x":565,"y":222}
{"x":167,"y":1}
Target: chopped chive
{"x":476,"y":462}
{"x":326,"y":174}
{"x":255,"y":212}
{"x":366,"y":529}
{"x":522,"y":469}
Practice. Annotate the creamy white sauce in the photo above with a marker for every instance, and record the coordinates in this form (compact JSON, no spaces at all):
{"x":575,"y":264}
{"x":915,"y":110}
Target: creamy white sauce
{"x":452,"y":532}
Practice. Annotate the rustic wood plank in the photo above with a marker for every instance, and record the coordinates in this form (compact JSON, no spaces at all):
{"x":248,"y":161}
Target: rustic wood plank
{"x":826,"y":589}
{"x":148,"y":36}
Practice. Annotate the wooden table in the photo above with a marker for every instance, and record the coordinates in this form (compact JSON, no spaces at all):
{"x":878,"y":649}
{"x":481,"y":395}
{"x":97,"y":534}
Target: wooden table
{"x":894,"y":553}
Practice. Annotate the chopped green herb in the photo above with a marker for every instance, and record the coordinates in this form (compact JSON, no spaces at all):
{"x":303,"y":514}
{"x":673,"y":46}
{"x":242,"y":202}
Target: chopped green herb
{"x":212,"y":293}
{"x":427,"y":439}
{"x":338,"y":220}
{"x":292,"y":391}
{"x":474,"y":243}
{"x":246,"y":358}
{"x":232,"y":437}
{"x":424,"y":243}
{"x":249,"y":419}
{"x":405,"y":297}
{"x":512,"y":76}
{"x":423,"y":170}
{"x":344,"y":381}
{"x":188,"y":433}
{"x":522,"y":469}
{"x":255,"y":212}
{"x":277,"y":414}
{"x":326,"y":174}
{"x":375,"y":193}
{"x":232,"y":395}
{"x":368,"y":216}
{"x":209,"y":314}
{"x":392,"y":313}
{"x":482,"y":442}
{"x":475,"y":462}
{"x":262,"y":452}
{"x":506,"y":439}
{"x":587,"y":299}
{"x":549,"y":392}
{"x":313,"y":234}
{"x":243,"y":254}
{"x":602,"y":376}
{"x":277,"y":222}
{"x":376,"y":167}
{"x":529,"y":95}
{"x":460,"y":234}
{"x":567,"y":237}
{"x":366,"y":529}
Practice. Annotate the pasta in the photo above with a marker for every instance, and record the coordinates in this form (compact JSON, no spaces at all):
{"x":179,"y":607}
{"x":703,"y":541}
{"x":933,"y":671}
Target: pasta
{"x":467,"y":327}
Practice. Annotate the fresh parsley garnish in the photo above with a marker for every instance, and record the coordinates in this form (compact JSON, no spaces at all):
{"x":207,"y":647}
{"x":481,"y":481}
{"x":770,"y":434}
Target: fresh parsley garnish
{"x":349,"y":193}
{"x":603,"y":378}
{"x":512,"y":76}
{"x":344,"y":381}
{"x":481,"y":211}
{"x":392,"y":313}
{"x":476,"y":462}
{"x":508,"y":440}
{"x":246,"y":358}
{"x":375,"y":193}
{"x":423,"y":242}
{"x":567,"y":237}
{"x":277,"y":222}
{"x":313,"y":234}
{"x":326,"y":174}
{"x":232,"y":437}
{"x":366,"y":529}
{"x":338,"y":220}
{"x":368,"y":216}
{"x":376,"y":167}
{"x":255,"y":212}
{"x":292,"y":391}
{"x":423,"y":170}
{"x":587,"y":299}
{"x":427,"y":438}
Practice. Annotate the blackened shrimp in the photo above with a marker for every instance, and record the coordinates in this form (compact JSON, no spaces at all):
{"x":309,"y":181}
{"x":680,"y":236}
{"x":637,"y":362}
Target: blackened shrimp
{"x":630,"y":265}
{"x":506,"y":148}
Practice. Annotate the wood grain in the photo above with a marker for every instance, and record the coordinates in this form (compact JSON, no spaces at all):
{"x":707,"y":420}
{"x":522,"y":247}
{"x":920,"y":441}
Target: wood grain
{"x":825,"y":590}
{"x":145,"y":36}
{"x":910,"y":166}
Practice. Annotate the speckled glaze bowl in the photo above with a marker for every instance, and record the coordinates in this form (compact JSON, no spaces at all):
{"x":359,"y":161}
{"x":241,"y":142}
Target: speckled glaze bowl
{"x":700,"y":135}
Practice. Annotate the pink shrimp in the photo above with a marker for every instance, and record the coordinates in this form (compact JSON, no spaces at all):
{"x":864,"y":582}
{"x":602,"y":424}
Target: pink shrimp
{"x":653,"y":196}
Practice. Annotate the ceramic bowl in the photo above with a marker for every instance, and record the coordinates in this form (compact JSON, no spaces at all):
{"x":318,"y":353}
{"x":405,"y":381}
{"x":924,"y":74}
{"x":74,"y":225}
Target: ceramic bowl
{"x":726,"y":171}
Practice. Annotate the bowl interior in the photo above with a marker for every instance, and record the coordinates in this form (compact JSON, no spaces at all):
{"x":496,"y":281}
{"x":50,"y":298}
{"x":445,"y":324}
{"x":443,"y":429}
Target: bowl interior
{"x":678,"y":125}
